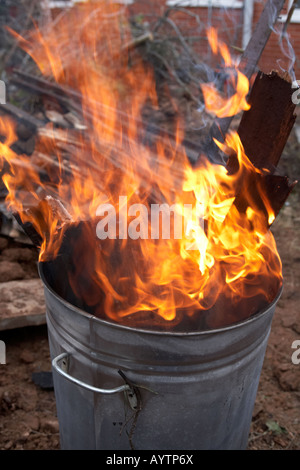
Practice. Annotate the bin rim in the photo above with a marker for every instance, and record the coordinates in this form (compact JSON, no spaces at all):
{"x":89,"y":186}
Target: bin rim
{"x":239,"y":324}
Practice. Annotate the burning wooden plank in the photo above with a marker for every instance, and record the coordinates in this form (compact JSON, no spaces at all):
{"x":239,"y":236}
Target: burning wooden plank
{"x":264,"y":130}
{"x":35,"y":217}
{"x":141,"y":277}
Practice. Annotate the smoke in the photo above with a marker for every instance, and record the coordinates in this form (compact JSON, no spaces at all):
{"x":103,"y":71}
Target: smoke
{"x":280,"y":29}
{"x":289,"y":53}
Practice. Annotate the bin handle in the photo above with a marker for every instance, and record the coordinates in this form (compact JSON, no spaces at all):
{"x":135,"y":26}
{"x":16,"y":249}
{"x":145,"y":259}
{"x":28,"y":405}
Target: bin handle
{"x":57,"y":368}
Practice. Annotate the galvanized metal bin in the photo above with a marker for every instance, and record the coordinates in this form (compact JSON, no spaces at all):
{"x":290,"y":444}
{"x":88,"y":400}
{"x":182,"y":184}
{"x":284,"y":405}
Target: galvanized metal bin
{"x":176,"y":391}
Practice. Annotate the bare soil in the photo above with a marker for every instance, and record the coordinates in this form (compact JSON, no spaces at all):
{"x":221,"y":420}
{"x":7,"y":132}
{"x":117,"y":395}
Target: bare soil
{"x":28,"y":413}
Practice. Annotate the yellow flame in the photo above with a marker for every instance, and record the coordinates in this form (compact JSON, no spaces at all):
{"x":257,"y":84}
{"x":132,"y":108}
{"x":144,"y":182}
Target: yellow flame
{"x":222,"y":254}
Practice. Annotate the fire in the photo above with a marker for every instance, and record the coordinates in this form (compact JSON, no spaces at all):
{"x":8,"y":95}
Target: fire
{"x":213,"y":254}
{"x":214,"y":101}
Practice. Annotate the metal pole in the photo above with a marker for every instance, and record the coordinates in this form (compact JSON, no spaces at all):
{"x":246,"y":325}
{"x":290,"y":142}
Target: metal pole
{"x":247,"y":26}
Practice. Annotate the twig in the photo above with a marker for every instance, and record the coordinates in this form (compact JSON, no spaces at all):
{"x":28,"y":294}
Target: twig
{"x":254,"y":438}
{"x":138,"y":41}
{"x":22,"y":116}
{"x":180,"y":36}
{"x":72,"y":99}
{"x":174,"y":74}
{"x":25,"y":27}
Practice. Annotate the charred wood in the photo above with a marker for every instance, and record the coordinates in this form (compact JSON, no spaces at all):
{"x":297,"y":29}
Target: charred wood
{"x":264,"y":131}
{"x":265,"y":128}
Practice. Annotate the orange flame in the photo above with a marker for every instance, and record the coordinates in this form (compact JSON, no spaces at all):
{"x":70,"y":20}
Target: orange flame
{"x":215,"y":102}
{"x":147,"y":277}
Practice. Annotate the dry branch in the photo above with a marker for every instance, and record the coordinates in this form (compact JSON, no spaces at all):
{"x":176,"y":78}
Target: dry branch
{"x":56,"y":210}
{"x":22,"y":116}
{"x":135,"y":42}
{"x":71,"y":99}
{"x":264,"y":131}
{"x":265,"y":128}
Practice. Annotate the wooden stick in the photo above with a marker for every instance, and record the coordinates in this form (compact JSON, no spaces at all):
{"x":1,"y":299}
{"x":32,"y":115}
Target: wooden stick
{"x":264,"y":131}
{"x":57,"y":210}
{"x":71,"y":99}
{"x":22,"y":116}
{"x":247,"y":66}
{"x":40,"y":89}
{"x":29,"y":229}
{"x":135,"y":42}
{"x":288,"y":19}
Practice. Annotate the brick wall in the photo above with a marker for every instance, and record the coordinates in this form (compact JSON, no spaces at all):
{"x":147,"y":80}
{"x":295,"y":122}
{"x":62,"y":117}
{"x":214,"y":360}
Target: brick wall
{"x":275,"y":52}
{"x":230,"y":26}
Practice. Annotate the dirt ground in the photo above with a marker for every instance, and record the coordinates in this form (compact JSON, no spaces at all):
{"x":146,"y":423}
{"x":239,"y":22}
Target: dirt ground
{"x":28,"y":412}
{"x":276,"y":417}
